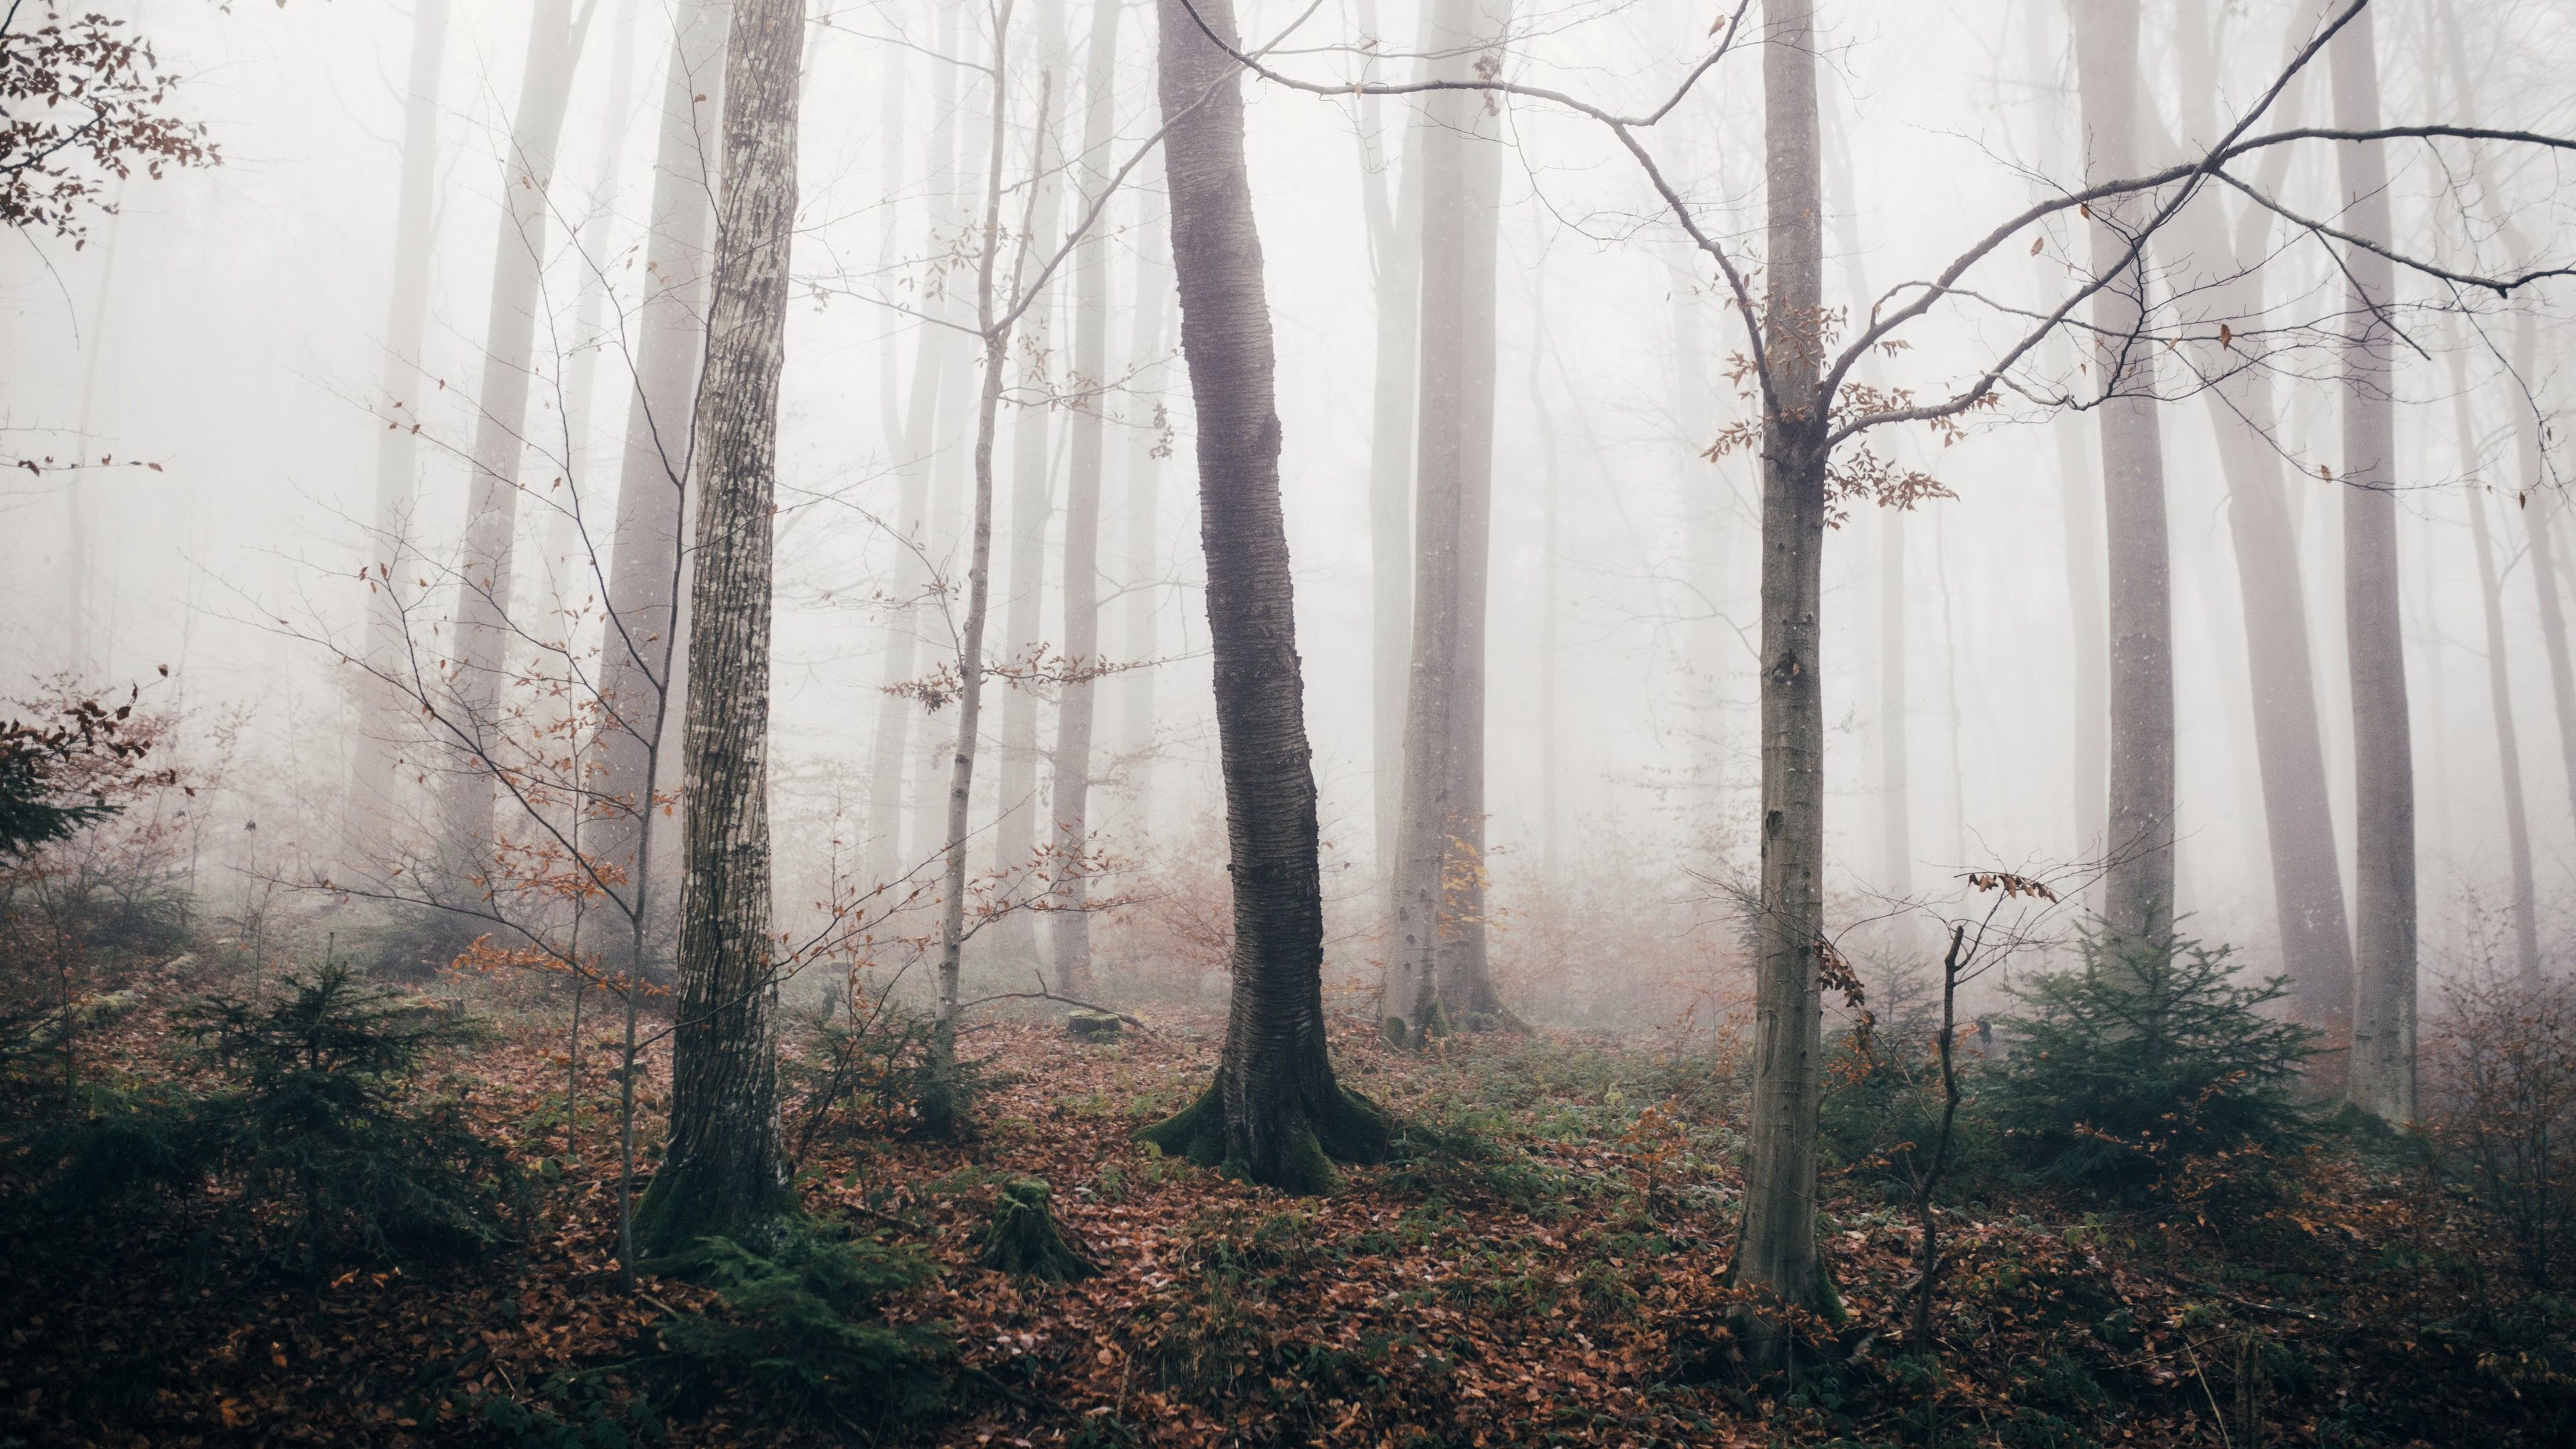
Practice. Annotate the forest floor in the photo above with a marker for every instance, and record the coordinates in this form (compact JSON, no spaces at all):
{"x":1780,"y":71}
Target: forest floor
{"x":1543,"y":1264}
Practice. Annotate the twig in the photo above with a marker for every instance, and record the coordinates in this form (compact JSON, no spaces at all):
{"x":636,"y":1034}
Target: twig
{"x":1042,"y":994}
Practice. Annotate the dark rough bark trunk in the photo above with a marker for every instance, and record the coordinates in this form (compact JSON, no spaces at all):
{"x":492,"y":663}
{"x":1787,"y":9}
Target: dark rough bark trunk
{"x":724,"y":1171}
{"x":385,"y":722}
{"x":1069,"y":935}
{"x":2138,"y":887}
{"x":2517,"y":829}
{"x":1440,"y":971}
{"x":2383,"y":1016}
{"x":1775,"y":1252}
{"x":484,"y":568}
{"x":644,"y":582}
{"x":2298,"y":816}
{"x":1275,"y":1111}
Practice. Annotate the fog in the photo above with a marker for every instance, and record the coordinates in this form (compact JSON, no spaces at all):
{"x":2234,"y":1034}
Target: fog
{"x":212,"y":358}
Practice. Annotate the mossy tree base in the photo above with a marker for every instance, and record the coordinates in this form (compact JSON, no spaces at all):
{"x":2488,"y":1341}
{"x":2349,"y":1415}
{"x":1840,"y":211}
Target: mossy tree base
{"x":675,"y":1219}
{"x":1025,"y":1239}
{"x":1292,"y":1150}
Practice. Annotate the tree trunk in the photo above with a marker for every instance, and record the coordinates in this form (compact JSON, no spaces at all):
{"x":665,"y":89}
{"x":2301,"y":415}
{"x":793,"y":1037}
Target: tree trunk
{"x":2298,"y":813}
{"x":567,"y":524}
{"x":1775,"y":1254}
{"x":1395,"y":245}
{"x":483,"y":614}
{"x":2138,"y":885}
{"x":2383,"y":1015}
{"x":2539,"y":507}
{"x":1145,"y":450}
{"x":954,"y":432}
{"x":1069,"y":938}
{"x":1551,"y":522}
{"x":1015,"y":834}
{"x":2517,"y":828}
{"x":1274,"y":1111}
{"x":384,"y":721}
{"x":645,"y":567}
{"x":1440,"y":969}
{"x":725,"y":1170}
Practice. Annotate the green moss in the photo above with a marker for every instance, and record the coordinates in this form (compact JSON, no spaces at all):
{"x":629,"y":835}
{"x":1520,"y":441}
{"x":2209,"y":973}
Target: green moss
{"x":1354,"y":1129}
{"x":1025,"y":1238}
{"x":1195,"y":1133}
{"x":673,"y":1221}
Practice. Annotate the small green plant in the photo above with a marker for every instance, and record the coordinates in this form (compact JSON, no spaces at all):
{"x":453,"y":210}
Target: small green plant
{"x":2147,"y":1054}
{"x":802,"y":1324}
{"x":319,"y":1118}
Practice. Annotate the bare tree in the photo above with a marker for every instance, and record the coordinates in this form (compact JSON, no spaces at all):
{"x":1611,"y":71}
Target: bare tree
{"x":501,"y":413}
{"x":1275,"y":1108}
{"x":2383,"y":1010}
{"x":646,"y":561}
{"x":725,"y":1168}
{"x":1439,"y":973}
{"x":1069,"y":938}
{"x":1146,"y":449}
{"x":384,"y":723}
{"x":2517,"y":829}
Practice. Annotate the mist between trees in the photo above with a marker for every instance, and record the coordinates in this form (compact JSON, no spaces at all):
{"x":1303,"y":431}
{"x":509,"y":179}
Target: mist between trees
{"x":756,"y":543}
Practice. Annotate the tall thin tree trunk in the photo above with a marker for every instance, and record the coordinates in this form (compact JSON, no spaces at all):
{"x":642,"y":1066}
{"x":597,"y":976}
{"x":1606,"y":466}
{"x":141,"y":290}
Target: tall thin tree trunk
{"x":954,"y":430}
{"x":2517,"y":828}
{"x":1775,"y":1256}
{"x":2383,"y":1016}
{"x":645,"y":566}
{"x":725,"y":1169}
{"x":484,"y":594}
{"x":2540,"y":506}
{"x":1550,"y":753}
{"x":1015,"y":834}
{"x":1146,"y":345}
{"x":1395,"y":246}
{"x":1440,"y":879}
{"x":2298,"y":813}
{"x":1070,"y":937}
{"x":383,"y":722}
{"x":568,"y":513}
{"x":1275,"y":1109}
{"x":2138,"y":886}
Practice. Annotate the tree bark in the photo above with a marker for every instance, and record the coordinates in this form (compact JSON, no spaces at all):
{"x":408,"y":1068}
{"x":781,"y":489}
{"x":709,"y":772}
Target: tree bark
{"x":483,"y":614}
{"x":2383,"y":1016}
{"x":1069,"y":936}
{"x":385,"y":722}
{"x":1441,"y":971}
{"x":2539,"y":506}
{"x":1015,"y":833}
{"x":2138,"y":885}
{"x":1144,"y":557}
{"x":725,"y":1168}
{"x":646,"y":567}
{"x":1775,"y":1255}
{"x":1395,"y":245}
{"x":2298,"y":813}
{"x":1274,"y":1112}
{"x":2517,"y":829}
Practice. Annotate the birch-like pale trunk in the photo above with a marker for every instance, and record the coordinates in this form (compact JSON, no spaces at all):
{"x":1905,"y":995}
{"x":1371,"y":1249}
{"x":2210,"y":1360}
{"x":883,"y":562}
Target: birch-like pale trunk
{"x":2383,"y":1013}
{"x":953,"y":430}
{"x":941,"y":1103}
{"x":1439,"y":972}
{"x":1015,"y":831}
{"x":1395,"y":249}
{"x":384,"y":721}
{"x":1776,"y":1257}
{"x":1147,"y":342}
{"x":725,"y":1170}
{"x":1706,"y":637}
{"x":2523,"y":908}
{"x":1275,"y":1110}
{"x":484,"y":567}
{"x":2298,"y":813}
{"x":639,"y":692}
{"x":2138,"y":885}
{"x":1069,"y":934}
{"x":1550,"y":666}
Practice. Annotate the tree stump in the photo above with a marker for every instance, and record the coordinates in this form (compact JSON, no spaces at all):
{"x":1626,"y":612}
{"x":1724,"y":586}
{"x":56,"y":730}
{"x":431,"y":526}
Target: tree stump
{"x":1092,"y":1025}
{"x":1026,"y":1240}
